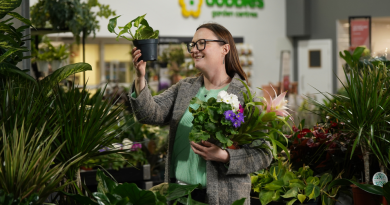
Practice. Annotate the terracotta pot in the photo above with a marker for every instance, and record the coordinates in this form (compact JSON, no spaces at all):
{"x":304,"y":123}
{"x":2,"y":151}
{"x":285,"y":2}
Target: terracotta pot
{"x":384,"y":201}
{"x":361,"y":197}
{"x":234,"y":146}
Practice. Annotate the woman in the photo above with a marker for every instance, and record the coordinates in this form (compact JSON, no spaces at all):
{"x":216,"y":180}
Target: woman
{"x":223,"y":173}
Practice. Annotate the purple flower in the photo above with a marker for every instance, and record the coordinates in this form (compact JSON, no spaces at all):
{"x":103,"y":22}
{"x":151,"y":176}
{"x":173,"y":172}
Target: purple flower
{"x":229,"y":115}
{"x":103,"y":149}
{"x":240,"y":117}
{"x":236,"y":124}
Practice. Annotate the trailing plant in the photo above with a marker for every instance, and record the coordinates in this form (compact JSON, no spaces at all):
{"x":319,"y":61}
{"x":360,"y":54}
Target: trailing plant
{"x":27,"y":169}
{"x":366,"y":107}
{"x":281,"y":183}
{"x":143,"y":31}
{"x":73,"y":15}
{"x":110,"y":192}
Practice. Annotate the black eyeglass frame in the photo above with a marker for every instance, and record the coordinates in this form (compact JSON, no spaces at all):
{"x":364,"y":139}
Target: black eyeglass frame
{"x":196,"y":44}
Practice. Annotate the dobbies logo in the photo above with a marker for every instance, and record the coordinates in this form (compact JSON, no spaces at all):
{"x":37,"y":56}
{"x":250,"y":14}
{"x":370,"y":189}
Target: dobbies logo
{"x":190,"y":7}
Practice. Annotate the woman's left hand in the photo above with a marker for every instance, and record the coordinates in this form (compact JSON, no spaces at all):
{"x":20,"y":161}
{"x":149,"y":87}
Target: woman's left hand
{"x":210,"y":151}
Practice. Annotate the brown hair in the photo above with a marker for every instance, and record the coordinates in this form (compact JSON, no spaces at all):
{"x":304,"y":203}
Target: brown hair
{"x":232,"y":62}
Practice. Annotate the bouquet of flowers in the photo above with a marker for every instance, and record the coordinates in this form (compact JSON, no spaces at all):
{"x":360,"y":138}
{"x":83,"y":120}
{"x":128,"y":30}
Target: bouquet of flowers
{"x":224,"y":119}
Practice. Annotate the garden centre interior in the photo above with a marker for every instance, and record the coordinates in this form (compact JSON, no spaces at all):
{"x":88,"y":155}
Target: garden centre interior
{"x":69,"y":134}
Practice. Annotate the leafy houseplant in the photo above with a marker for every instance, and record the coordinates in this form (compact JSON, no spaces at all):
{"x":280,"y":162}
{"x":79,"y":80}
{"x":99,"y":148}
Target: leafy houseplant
{"x":73,"y":15}
{"x":365,"y":110}
{"x":144,"y":38}
{"x":110,"y":192}
{"x":281,"y":183}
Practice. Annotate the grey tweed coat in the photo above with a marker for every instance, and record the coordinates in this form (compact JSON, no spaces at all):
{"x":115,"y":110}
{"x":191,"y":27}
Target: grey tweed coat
{"x":224,"y":185}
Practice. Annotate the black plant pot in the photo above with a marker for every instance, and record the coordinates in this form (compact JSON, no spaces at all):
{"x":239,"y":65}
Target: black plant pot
{"x":148,"y":49}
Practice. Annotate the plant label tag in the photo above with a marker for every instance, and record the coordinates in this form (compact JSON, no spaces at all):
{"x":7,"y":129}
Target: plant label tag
{"x":379,"y":179}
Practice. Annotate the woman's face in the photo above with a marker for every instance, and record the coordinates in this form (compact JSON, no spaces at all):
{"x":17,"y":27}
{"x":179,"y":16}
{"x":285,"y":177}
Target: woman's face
{"x":212,"y":55}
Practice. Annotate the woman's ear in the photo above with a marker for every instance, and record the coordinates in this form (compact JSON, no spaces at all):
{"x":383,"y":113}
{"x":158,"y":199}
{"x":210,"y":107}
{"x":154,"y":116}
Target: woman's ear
{"x":225,"y":49}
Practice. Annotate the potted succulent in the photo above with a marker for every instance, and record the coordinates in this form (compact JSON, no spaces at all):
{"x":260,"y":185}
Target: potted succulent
{"x":144,"y":38}
{"x":281,"y":183}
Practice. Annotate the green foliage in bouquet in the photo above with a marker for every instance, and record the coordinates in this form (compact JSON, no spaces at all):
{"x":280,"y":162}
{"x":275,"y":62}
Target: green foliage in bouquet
{"x":210,"y":121}
{"x":281,"y":183}
{"x":143,"y":31}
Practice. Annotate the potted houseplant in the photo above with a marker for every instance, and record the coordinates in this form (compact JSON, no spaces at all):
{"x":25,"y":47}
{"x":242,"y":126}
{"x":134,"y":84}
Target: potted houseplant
{"x":365,"y":109}
{"x":144,"y":38}
{"x":282,"y":183}
{"x":57,"y":55}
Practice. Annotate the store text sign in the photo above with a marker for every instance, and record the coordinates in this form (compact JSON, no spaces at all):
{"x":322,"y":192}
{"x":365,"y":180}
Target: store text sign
{"x":360,"y":33}
{"x":194,"y":7}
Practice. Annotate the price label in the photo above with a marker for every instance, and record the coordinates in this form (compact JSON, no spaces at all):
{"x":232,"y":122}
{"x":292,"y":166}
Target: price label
{"x":379,"y":179}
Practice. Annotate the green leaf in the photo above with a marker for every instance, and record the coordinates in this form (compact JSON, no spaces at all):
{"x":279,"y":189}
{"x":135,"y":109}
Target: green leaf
{"x":373,"y":189}
{"x":135,"y":194}
{"x":101,"y":198}
{"x":275,"y":185}
{"x":313,"y":180}
{"x":269,"y":117}
{"x":137,"y":21}
{"x":112,"y":24}
{"x":291,"y":202}
{"x":62,"y":73}
{"x":287,"y":177}
{"x":357,"y":53}
{"x":299,"y":185}
{"x":176,"y":191}
{"x":239,"y":202}
{"x":266,"y":196}
{"x":325,"y":179}
{"x":209,"y":126}
{"x":312,"y":191}
{"x":19,"y":17}
{"x":7,"y":69}
{"x":6,"y":6}
{"x":223,"y":139}
{"x":80,"y":198}
{"x":293,"y":192}
{"x":276,"y":196}
{"x":301,"y":198}
{"x":105,"y":184}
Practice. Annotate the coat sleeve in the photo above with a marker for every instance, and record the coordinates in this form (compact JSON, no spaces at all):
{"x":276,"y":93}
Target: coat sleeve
{"x":155,"y":110}
{"x":248,"y":160}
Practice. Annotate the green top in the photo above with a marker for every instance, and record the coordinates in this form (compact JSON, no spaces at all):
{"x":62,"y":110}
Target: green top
{"x":189,"y":167}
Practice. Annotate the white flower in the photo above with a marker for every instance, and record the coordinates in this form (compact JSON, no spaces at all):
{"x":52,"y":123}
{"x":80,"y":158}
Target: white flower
{"x":127,"y":144}
{"x":235,"y":105}
{"x":222,"y":95}
{"x":117,"y":146}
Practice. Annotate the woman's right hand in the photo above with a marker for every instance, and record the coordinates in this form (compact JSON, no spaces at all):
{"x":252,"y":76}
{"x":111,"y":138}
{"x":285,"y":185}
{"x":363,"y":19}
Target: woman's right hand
{"x":139,"y":66}
{"x":140,"y":70}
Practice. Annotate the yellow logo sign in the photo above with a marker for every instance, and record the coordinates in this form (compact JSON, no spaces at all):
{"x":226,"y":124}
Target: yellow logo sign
{"x":190,"y":8}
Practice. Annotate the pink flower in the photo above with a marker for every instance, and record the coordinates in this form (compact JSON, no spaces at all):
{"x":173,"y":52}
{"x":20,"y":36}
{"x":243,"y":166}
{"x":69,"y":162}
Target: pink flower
{"x":241,"y":109}
{"x":277,"y":105}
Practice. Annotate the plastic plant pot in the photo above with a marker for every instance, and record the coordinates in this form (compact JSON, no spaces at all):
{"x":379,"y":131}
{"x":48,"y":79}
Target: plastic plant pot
{"x":148,"y":49}
{"x":43,"y":67}
{"x":55,"y":64}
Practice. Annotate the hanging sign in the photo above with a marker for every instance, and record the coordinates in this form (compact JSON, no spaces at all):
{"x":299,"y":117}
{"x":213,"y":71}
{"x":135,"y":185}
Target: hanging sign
{"x":360,"y":32}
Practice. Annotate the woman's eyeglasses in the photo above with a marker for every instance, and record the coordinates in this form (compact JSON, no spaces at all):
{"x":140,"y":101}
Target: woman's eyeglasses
{"x":200,"y":44}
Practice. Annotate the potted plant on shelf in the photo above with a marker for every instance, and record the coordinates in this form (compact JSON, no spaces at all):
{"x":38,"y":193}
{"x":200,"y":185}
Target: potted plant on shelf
{"x":57,"y":55}
{"x":281,"y":183}
{"x":144,"y":38}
